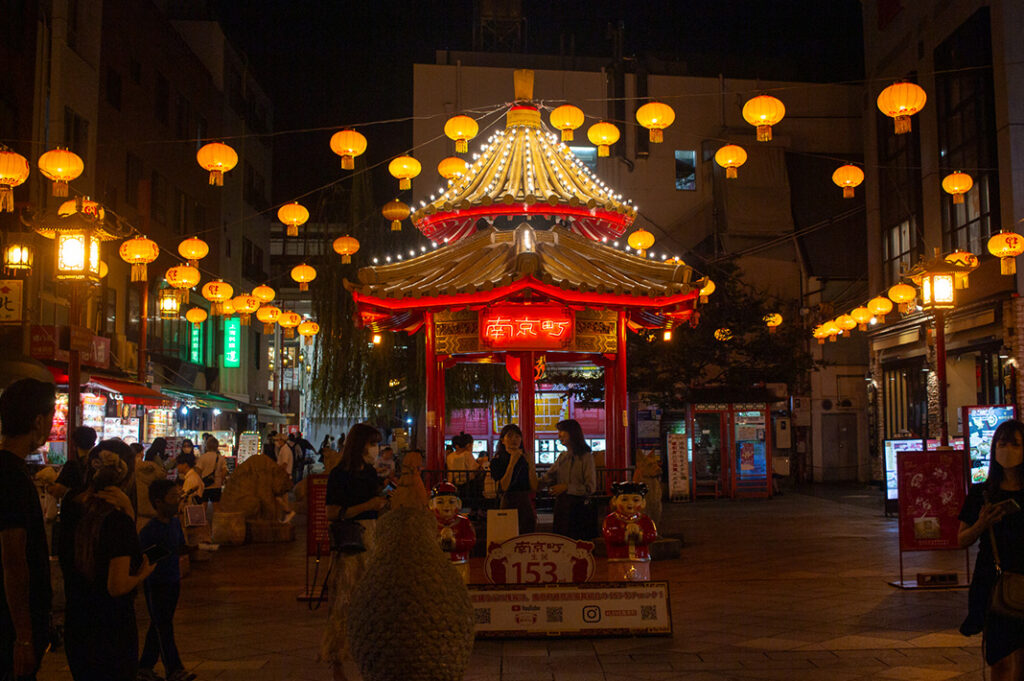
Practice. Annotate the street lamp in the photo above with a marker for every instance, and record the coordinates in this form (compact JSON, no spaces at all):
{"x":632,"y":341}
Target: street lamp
{"x":168,"y":303}
{"x":18,"y":255}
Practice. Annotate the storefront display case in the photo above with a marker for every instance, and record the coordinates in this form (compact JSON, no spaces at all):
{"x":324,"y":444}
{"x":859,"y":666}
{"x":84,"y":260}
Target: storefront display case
{"x":160,"y":422}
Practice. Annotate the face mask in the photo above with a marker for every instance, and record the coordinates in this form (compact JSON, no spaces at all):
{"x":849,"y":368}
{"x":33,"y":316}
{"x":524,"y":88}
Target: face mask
{"x":371,"y":453}
{"x":1009,"y":455}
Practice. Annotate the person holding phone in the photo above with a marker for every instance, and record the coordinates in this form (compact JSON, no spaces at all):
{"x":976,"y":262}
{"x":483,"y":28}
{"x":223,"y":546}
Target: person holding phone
{"x":162,"y":540}
{"x":515,"y":472}
{"x":992,"y":511}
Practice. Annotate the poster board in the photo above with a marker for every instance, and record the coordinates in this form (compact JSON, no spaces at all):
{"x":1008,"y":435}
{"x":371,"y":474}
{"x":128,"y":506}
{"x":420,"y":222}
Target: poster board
{"x":931,"y":492}
{"x":979,"y":424}
{"x":591,"y":609}
{"x":248,"y":446}
{"x":318,"y":540}
{"x":678,"y":467}
{"x":896,"y":445}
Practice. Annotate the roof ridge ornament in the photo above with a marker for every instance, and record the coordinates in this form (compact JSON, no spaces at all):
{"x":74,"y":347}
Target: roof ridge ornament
{"x":527,"y":258}
{"x":522,"y":79}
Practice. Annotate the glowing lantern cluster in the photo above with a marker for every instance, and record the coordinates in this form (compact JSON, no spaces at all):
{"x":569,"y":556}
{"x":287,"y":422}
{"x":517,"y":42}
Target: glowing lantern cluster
{"x":197,"y":316}
{"x":641,"y":240}
{"x":773,"y":321}
{"x":218,"y":158}
{"x":566,"y":118}
{"x":1006,"y":246}
{"x":303,"y":274}
{"x":245,"y":304}
{"x":346,"y":246}
{"x":61,"y":166}
{"x":900,"y":101}
{"x":603,"y":135}
{"x":404,"y":168}
{"x":268,"y":314}
{"x":763,"y":112}
{"x":288,"y":321}
{"x":731,"y":157}
{"x":218,"y":293}
{"x":138,"y":253}
{"x":395,"y":211}
{"x":461,"y":129}
{"x":452,"y":168}
{"x":308,"y":329}
{"x":14,"y":170}
{"x":655,"y":116}
{"x":957,"y":184}
{"x":848,"y":177}
{"x":293,"y":215}
{"x":348,"y":144}
{"x":193,"y":250}
{"x":904,"y":295}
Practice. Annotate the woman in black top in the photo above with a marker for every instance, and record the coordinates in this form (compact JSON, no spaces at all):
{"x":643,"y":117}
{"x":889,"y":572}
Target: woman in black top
{"x":981,"y":517}
{"x":353,"y":492}
{"x":515,"y":472}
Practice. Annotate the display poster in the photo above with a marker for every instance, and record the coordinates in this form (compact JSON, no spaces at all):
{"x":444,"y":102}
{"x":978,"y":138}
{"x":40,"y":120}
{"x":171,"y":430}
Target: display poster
{"x":125,"y":429}
{"x":751,"y":460}
{"x":892,"y":448}
{"x":59,"y":428}
{"x":678,"y":467}
{"x":94,"y":410}
{"x":593,"y":609}
{"x":318,"y":538}
{"x":539,"y":558}
{"x":173,"y":447}
{"x":931,"y":492}
{"x":980,"y":423}
{"x":248,"y":446}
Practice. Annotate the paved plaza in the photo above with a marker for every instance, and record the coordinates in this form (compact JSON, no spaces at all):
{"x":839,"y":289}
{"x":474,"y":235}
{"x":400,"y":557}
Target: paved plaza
{"x":794,"y":588}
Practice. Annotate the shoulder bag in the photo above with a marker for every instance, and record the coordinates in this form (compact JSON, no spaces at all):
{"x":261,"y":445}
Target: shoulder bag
{"x":1008,"y":593}
{"x":347,"y":536}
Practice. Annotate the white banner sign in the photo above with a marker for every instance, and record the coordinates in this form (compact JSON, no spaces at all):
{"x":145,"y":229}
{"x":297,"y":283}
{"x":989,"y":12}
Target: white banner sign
{"x":10,"y":300}
{"x":678,"y":467}
{"x":593,"y":609}
{"x":539,"y":558}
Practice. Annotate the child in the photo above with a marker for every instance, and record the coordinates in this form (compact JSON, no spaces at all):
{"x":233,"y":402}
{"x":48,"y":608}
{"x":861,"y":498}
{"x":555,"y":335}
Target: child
{"x":164,"y":585}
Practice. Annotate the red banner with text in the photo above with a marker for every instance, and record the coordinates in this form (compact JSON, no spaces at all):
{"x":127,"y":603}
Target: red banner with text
{"x":526,"y":327}
{"x":931,"y":492}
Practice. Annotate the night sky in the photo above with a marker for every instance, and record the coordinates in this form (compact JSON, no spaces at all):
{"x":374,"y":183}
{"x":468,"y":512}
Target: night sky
{"x":337,"y":62}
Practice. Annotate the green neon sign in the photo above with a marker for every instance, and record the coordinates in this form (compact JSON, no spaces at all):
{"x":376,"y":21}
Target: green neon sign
{"x":232,"y":342}
{"x":195,"y":354}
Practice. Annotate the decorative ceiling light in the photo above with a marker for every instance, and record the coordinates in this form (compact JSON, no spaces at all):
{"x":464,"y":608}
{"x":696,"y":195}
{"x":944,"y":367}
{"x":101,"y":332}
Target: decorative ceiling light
{"x":957,"y":184}
{"x":904,"y":295}
{"x":308,"y":329}
{"x":264,"y":293}
{"x":303,"y":274}
{"x":395,"y":211}
{"x":404,"y":168}
{"x":461,"y":129}
{"x":862,"y":316}
{"x":193,"y":250}
{"x":182,"y":278}
{"x":288,"y":321}
{"x":245,"y":304}
{"x":268,"y":314}
{"x":346,"y":246}
{"x":138,"y":253}
{"x":218,"y":292}
{"x":880,"y":306}
{"x":348,"y":144}
{"x":197,"y":316}
{"x":603,"y":135}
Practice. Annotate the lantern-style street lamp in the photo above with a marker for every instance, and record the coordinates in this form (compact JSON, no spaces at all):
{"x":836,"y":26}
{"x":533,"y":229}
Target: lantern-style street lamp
{"x":168,"y":303}
{"x":18,"y":255}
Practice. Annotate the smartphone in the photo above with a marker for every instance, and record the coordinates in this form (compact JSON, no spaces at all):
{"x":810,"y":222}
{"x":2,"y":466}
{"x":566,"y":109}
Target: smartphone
{"x":389,"y":488}
{"x":1009,"y":505}
{"x":156,"y":553}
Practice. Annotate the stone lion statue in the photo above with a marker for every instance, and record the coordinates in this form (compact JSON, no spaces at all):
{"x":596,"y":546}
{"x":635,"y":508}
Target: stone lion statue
{"x":410,"y":617}
{"x":253,"y":489}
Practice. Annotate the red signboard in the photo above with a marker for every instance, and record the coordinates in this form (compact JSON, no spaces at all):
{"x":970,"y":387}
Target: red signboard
{"x":318,"y":539}
{"x":46,"y":343}
{"x":526,"y":327}
{"x":931,"y":492}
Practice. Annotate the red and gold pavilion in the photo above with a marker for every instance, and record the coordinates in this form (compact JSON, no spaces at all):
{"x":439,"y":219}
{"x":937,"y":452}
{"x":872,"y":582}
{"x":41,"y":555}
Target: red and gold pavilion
{"x":524,"y":274}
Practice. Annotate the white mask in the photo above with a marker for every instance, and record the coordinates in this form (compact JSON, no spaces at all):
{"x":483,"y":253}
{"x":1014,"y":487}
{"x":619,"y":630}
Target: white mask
{"x":1008,"y":455}
{"x":371,"y":453}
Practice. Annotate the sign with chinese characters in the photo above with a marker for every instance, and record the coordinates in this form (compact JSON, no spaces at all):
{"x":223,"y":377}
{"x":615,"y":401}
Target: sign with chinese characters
{"x":593,"y":609}
{"x":931,"y":492}
{"x":678,"y":466}
{"x":195,"y":351}
{"x":526,"y":327}
{"x":10,"y":301}
{"x":232,"y":342}
{"x":318,"y":539}
{"x":539,"y":558}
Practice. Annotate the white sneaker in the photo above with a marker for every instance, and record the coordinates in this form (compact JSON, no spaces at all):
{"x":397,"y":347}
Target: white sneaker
{"x":288,"y":518}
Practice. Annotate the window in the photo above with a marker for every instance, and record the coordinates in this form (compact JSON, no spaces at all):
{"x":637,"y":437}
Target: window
{"x":133,"y":175}
{"x":200,"y":132}
{"x":686,"y":170}
{"x":158,"y":198}
{"x":587,"y":155}
{"x":899,"y":251}
{"x":179,"y":211}
{"x":967,"y":132}
{"x":182,"y":112}
{"x":113,"y":88}
{"x":161,"y":98}
{"x":73,"y":24}
{"x":76,"y":131}
{"x":905,"y":388}
{"x":252,"y":261}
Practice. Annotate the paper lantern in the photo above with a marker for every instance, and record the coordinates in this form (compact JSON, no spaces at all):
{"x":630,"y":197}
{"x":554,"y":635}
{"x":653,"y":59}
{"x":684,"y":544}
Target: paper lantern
{"x":830,"y":329}
{"x":227,"y":308}
{"x":706,"y":291}
{"x":303,"y":274}
{"x":264,"y":293}
{"x":957,"y":184}
{"x":964,"y":259}
{"x":308,"y":329}
{"x":904,"y":295}
{"x":566,"y":118}
{"x":900,"y":101}
{"x":61,"y":166}
{"x":1006,"y":246}
{"x":820,"y":333}
{"x":197,"y":316}
{"x":772,"y":320}
{"x":763,"y":112}
{"x":83,"y":205}
{"x":731,"y":157}
{"x":168,"y":303}
{"x":655,"y":116}
{"x":348,"y":144}
{"x":346,"y":246}
{"x":193,"y":250}
{"x":603,"y":135}
{"x":452,"y":167}
{"x":288,"y":321}
{"x":404,"y":168}
{"x":862,"y":316}
{"x":723,"y":334}
{"x":848,"y":177}
{"x":461,"y":129}
{"x":268,"y":314}
{"x":14,"y":170}
{"x":846,"y":322}
{"x":395,"y":211}
{"x":641,"y":240}
{"x":218,"y":158}
{"x":293,"y":215}
{"x":217,"y":292}
{"x":880,"y":306}
{"x":245,"y":304}
{"x":138,"y":253}
{"x":182,"y":278}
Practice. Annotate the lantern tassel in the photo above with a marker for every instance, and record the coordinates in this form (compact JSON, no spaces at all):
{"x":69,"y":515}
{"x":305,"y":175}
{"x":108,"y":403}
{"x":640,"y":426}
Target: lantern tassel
{"x":730,"y":173}
{"x":289,"y":333}
{"x":405,"y":183}
{"x":567,"y":135}
{"x":216,"y":309}
{"x":958,"y":198}
{"x":293,"y":230}
{"x":461,"y":146}
{"x":764,"y":133}
{"x":244,"y":319}
{"x":6,"y":199}
{"x":217,"y":178}
{"x":862,"y":326}
{"x":268,"y":328}
{"x":348,"y":162}
{"x":60,"y":188}
{"x":396,"y":225}
{"x":771,"y":329}
{"x":1008,"y":265}
{"x":303,"y":286}
{"x":602,"y":150}
{"x":821,"y":341}
{"x":346,"y":259}
{"x":848,"y":192}
{"x":657,"y":136}
{"x":139,"y":272}
{"x":901,"y":124}
{"x":833,"y":338}
{"x":703,"y":300}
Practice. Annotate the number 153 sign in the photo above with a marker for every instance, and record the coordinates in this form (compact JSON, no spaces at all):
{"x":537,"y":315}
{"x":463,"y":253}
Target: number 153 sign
{"x":10,"y":300}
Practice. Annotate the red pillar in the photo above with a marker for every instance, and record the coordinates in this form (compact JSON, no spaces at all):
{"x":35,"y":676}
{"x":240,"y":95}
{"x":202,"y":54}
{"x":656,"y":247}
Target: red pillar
{"x":434,"y":460}
{"x":622,"y":394}
{"x":526,"y":394}
{"x":439,"y":405}
{"x":610,"y":421}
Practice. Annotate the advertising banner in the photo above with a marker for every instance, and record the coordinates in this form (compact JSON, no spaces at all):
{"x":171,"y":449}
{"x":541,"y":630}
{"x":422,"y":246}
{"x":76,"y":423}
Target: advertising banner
{"x":318,"y":539}
{"x":248,"y":446}
{"x":678,"y":467}
{"x":980,"y":423}
{"x":931,"y":492}
{"x":539,"y":558}
{"x":595,"y":609}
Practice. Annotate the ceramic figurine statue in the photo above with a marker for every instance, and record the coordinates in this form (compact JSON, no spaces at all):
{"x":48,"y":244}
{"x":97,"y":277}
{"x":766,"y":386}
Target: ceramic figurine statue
{"x":455,"y":533}
{"x":628,"y":533}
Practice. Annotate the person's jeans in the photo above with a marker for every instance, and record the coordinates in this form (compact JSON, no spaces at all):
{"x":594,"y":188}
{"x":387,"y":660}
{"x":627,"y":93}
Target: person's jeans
{"x":162,"y":600}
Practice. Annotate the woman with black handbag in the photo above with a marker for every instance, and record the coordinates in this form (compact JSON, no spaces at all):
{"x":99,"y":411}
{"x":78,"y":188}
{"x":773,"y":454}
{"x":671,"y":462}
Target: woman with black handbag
{"x":353,"y":502}
{"x":992,"y":514}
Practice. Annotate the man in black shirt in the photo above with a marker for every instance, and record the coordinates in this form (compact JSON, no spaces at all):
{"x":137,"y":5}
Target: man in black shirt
{"x":26,"y":415}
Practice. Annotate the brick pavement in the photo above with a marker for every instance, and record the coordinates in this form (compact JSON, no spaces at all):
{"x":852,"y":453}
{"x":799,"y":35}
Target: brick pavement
{"x":793,"y":588}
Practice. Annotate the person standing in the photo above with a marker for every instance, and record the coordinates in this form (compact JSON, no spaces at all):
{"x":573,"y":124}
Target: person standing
{"x":353,"y":493}
{"x":573,"y":478}
{"x":192,"y":484}
{"x":284,"y":453}
{"x":515,"y":472}
{"x":26,"y":416}
{"x":212,"y":469}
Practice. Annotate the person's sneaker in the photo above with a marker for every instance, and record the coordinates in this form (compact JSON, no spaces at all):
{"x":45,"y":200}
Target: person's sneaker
{"x":148,"y":675}
{"x":181,"y":675}
{"x":288,"y":518}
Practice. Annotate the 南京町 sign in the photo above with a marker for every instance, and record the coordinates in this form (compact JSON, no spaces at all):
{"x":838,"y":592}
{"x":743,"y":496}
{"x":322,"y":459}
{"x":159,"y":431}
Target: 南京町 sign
{"x":526,"y":327}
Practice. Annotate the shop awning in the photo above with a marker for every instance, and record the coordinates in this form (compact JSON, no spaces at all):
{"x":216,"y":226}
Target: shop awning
{"x":130,"y":392}
{"x":202,"y":399}
{"x":268,"y":415}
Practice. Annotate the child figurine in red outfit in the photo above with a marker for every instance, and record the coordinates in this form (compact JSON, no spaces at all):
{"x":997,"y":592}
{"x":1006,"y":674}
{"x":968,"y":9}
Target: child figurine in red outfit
{"x":628,"y":532}
{"x":455,"y":533}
